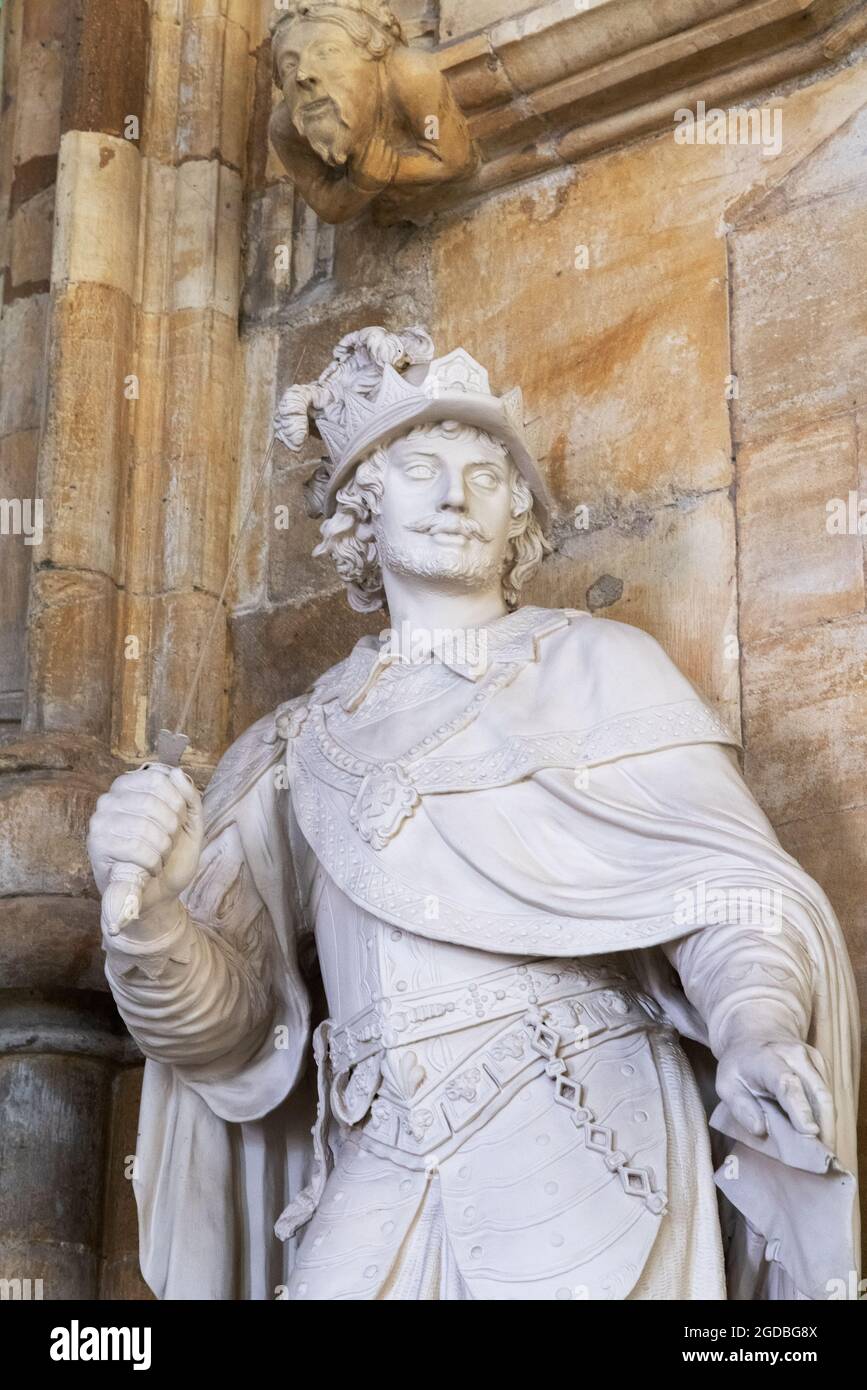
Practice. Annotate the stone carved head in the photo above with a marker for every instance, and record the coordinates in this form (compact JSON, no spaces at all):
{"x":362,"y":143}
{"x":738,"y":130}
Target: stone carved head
{"x":326,"y":58}
{"x":429,"y":474}
{"x":363,"y":113}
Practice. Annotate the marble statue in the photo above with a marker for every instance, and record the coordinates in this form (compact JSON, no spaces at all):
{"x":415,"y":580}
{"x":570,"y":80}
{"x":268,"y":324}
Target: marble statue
{"x":362,"y":114}
{"x":479,"y":973}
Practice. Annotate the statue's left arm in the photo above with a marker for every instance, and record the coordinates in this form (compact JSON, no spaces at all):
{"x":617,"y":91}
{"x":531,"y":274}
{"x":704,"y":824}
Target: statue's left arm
{"x":754,"y":987}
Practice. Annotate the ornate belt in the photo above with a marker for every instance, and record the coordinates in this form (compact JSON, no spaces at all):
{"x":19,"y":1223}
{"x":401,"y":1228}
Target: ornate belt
{"x":396,"y":1021}
{"x":540,"y":1040}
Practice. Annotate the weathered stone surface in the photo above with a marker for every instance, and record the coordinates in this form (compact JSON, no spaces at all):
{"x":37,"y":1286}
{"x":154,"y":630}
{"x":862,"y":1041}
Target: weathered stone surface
{"x":31,"y":233}
{"x":38,"y":97}
{"x":207,"y":238}
{"x":132,"y":694}
{"x":45,"y":20}
{"x":837,"y":164}
{"x":833,"y":848}
{"x":279,"y":652}
{"x":805,"y":720}
{"x":153,"y":281}
{"x":55,"y":1111}
{"x":91,"y":360}
{"x":793,"y":572}
{"x":22,"y":345}
{"x":50,"y":941}
{"x":861,"y":434}
{"x":181,"y":623}
{"x":799,"y":334}
{"x":185,"y":433}
{"x":458,"y":18}
{"x":217,"y":75}
{"x":242,"y":12}
{"x":32,"y":178}
{"x":71,"y":665}
{"x":98,"y":206}
{"x":43,"y":829}
{"x":17,"y":480}
{"x":120,"y":1276}
{"x":159,"y":640}
{"x":162,"y":88}
{"x":670,"y":572}
{"x":613,"y":356}
{"x":293,"y":573}
{"x":287,"y":248}
{"x":258,"y":380}
{"x":75,"y":753}
{"x":106,"y":66}
{"x":265,"y":95}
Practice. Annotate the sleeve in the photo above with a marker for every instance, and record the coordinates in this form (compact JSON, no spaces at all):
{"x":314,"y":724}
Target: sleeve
{"x":200,"y":994}
{"x":747,"y":981}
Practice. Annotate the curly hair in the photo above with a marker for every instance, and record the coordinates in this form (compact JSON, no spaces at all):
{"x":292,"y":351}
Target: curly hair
{"x":349,"y":535}
{"x":369,"y":23}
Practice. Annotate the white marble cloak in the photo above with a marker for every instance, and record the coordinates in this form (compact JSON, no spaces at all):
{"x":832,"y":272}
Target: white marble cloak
{"x":534,"y":864}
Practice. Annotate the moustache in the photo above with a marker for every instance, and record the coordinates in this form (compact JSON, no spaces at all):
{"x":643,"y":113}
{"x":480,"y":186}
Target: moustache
{"x":320,"y":108}
{"x":451,"y":526}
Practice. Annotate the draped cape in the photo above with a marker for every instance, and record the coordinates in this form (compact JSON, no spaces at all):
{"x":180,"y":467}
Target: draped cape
{"x":589,"y":795}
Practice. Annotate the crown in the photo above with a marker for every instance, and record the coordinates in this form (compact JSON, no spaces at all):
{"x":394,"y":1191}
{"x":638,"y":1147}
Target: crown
{"x":379,"y":385}
{"x":377,"y":11}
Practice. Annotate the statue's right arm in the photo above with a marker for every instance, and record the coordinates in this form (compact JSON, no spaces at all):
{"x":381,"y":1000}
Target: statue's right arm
{"x":191,"y":976}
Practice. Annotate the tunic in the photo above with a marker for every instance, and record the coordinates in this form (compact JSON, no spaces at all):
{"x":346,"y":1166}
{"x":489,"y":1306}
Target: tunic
{"x":520,"y":1209}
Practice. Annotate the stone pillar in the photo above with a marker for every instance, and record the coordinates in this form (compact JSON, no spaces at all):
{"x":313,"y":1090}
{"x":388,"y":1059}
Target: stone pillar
{"x":33,"y":45}
{"x":65,"y":329}
{"x":122,"y":153}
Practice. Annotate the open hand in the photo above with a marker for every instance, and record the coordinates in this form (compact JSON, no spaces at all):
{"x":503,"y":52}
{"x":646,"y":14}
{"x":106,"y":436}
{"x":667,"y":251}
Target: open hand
{"x":792,"y":1073}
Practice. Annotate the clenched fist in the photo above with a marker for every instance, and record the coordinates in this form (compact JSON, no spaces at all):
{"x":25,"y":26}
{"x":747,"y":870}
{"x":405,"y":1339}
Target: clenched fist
{"x":152,"y":820}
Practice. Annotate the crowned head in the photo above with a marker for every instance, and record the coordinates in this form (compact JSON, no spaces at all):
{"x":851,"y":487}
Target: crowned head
{"x":428,"y":474}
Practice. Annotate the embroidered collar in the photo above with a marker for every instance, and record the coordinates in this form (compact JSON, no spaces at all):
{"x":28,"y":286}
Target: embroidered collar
{"x":514,"y":637}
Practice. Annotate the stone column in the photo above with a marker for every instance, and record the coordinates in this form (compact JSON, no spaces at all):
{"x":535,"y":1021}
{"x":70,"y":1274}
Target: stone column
{"x":122,"y":154}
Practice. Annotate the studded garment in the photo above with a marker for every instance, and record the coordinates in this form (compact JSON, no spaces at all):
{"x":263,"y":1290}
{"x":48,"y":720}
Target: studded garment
{"x":461,"y":1171}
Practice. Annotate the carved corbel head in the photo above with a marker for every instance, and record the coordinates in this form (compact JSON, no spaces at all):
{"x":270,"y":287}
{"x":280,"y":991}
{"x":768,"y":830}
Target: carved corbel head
{"x":361,"y":111}
{"x":326,"y":58}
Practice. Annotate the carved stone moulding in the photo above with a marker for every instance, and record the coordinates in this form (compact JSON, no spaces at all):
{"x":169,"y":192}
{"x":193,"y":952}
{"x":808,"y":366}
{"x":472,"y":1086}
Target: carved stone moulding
{"x":573,"y":77}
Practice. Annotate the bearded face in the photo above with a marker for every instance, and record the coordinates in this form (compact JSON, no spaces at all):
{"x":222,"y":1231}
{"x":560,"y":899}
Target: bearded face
{"x":331,"y":87}
{"x":445,"y":513}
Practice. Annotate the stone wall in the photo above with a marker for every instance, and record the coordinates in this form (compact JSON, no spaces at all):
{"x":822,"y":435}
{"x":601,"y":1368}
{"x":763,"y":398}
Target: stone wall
{"x":687,"y":323}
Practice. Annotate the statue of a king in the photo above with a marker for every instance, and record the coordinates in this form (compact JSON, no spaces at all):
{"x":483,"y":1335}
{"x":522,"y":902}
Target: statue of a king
{"x":479,"y":973}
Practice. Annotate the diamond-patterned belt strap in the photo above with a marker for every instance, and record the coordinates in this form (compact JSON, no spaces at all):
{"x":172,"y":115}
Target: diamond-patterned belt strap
{"x":547,"y":1041}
